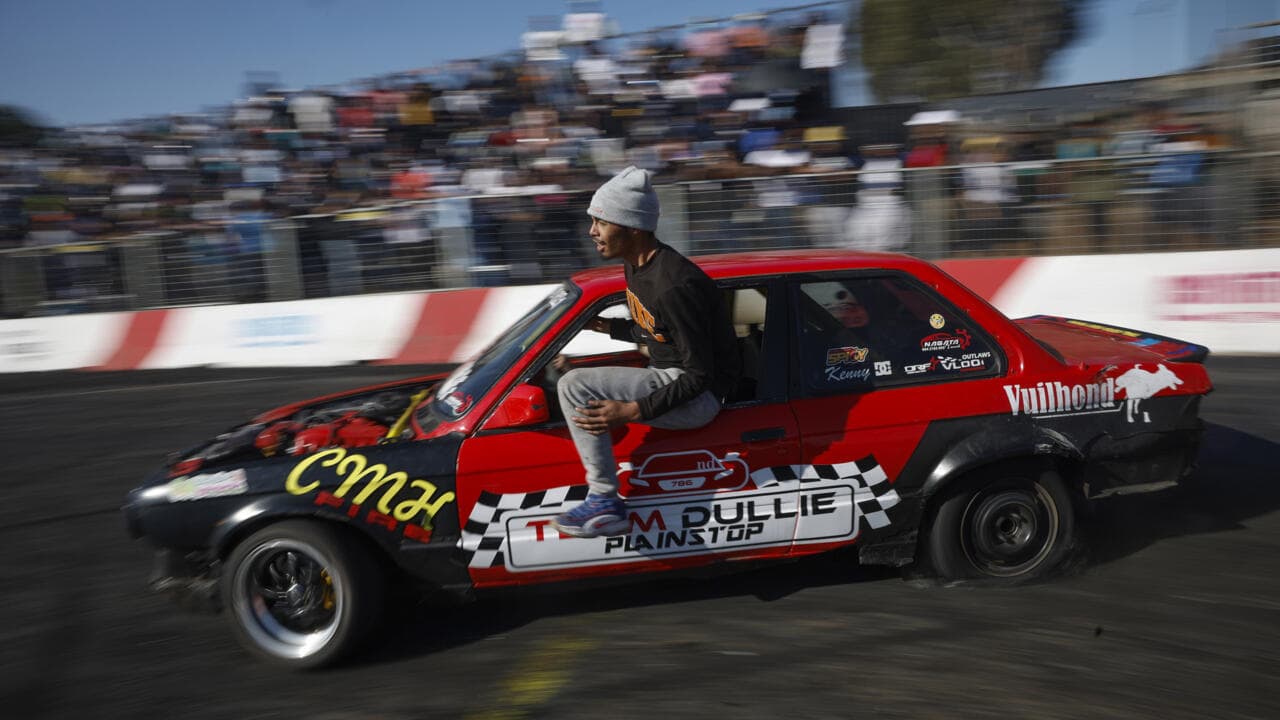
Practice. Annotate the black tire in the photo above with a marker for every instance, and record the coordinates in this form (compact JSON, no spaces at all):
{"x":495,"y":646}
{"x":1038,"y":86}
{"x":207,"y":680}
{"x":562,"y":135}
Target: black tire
{"x":302,"y":594}
{"x":1008,"y":524}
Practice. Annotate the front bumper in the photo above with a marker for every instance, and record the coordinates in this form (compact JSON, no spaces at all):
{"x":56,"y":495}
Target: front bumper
{"x":189,"y":579}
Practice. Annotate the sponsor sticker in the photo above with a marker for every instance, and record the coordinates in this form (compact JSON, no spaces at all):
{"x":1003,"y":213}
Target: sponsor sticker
{"x":918,"y":368}
{"x":410,"y":531}
{"x":1059,"y":399}
{"x":845,"y":355}
{"x":276,"y":331}
{"x":936,"y":321}
{"x":883,"y":367}
{"x":667,"y":473}
{"x":391,"y":493}
{"x":786,"y":504}
{"x":1252,"y":296}
{"x":458,"y":402}
{"x":24,"y":345}
{"x":967,"y":362}
{"x":1138,"y":385}
{"x":844,"y":373}
{"x":207,"y":485}
{"x":942,"y":342}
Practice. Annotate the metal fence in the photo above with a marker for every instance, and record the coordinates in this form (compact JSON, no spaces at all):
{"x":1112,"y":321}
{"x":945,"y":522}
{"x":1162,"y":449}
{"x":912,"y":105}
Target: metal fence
{"x":1189,"y":200}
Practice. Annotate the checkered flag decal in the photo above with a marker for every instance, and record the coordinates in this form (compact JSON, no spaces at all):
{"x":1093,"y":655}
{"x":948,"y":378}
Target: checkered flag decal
{"x":874,"y":494}
{"x":483,"y":539}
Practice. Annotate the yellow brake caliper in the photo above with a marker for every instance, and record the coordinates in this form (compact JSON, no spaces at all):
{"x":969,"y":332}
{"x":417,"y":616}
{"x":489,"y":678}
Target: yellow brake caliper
{"x":327,"y":599}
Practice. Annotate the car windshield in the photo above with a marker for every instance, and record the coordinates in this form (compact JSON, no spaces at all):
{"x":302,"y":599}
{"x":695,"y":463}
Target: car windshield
{"x":472,"y":379}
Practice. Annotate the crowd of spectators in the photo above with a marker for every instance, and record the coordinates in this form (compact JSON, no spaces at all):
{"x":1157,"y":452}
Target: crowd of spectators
{"x":688,"y":104}
{"x":747,"y":98}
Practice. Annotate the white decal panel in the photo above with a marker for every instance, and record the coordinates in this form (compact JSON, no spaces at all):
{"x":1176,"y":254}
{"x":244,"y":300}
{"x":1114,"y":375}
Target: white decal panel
{"x":207,"y":485}
{"x":788,"y":504}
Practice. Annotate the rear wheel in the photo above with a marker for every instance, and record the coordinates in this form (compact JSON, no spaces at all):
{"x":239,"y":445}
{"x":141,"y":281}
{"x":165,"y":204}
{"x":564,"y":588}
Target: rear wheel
{"x":1011,"y":524}
{"x":300,"y":594}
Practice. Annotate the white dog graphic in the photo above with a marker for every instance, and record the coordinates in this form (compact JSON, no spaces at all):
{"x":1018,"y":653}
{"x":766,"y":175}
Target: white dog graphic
{"x":1138,"y":384}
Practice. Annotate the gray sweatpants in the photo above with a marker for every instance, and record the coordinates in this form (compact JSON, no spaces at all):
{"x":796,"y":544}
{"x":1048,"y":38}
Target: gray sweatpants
{"x":581,"y":385}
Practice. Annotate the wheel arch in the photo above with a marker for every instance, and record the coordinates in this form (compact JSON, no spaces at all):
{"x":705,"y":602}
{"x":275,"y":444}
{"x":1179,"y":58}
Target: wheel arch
{"x":1005,"y":444}
{"x":271,"y":510}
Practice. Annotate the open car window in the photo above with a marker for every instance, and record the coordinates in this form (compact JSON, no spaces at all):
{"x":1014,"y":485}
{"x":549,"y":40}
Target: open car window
{"x":587,"y":342}
{"x":584,"y":348}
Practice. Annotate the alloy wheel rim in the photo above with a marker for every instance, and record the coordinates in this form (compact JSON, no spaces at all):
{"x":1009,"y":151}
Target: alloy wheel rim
{"x":288,"y":598}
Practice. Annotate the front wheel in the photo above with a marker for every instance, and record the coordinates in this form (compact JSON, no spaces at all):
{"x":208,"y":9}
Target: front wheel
{"x":301,"y":595}
{"x":1009,"y":525}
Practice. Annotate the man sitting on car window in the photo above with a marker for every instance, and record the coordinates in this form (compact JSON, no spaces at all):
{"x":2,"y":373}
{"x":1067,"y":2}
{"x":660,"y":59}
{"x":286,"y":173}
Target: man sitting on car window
{"x":680,"y":316}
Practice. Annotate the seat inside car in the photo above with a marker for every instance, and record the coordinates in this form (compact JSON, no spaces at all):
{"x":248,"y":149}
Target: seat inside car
{"x":748,"y":314}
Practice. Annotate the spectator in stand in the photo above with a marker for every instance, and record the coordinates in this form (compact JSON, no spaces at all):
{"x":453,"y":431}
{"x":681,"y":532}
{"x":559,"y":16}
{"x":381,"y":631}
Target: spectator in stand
{"x":1092,"y":183}
{"x":988,"y":195}
{"x":312,"y":113}
{"x":1182,"y":206}
{"x":881,"y":220}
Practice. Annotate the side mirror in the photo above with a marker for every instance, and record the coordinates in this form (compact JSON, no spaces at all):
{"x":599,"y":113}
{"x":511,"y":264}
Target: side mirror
{"x":524,"y":405}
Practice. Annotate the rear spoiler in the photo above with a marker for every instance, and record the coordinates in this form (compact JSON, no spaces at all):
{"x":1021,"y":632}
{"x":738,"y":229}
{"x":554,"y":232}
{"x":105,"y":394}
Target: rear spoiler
{"x":1173,"y":349}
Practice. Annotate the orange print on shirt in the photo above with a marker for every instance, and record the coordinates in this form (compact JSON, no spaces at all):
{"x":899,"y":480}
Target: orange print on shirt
{"x":643,"y":317}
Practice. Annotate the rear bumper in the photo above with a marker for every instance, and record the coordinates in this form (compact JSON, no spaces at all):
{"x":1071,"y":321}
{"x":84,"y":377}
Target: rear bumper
{"x":1142,"y":463}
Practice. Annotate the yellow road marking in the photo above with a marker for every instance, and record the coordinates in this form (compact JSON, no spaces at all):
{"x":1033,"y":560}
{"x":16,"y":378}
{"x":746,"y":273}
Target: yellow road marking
{"x":535,"y":680}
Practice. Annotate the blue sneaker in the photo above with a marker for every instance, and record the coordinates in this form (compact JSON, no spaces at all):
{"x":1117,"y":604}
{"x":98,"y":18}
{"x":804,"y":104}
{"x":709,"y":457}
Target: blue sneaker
{"x":596,"y":516}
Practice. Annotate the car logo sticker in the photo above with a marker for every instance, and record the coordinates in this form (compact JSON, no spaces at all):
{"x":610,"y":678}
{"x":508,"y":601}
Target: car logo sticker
{"x":938,"y":342}
{"x":1059,"y":399}
{"x":1138,"y":385}
{"x":846,"y":355}
{"x":667,"y":473}
{"x":393,"y":494}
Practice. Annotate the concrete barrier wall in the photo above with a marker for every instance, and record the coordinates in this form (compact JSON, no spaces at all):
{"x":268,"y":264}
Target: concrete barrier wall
{"x":1227,"y":300}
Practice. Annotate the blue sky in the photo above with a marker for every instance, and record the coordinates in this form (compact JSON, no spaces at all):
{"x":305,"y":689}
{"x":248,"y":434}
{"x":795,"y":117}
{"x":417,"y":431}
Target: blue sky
{"x":72,"y":61}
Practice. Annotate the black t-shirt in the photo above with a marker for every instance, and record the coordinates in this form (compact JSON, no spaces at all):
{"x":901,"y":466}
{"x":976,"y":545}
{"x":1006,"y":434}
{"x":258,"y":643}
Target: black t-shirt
{"x":680,"y":315}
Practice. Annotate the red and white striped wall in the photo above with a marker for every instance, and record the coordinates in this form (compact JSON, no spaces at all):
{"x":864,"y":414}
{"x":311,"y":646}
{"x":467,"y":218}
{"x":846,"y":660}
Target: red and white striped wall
{"x":1227,"y":300}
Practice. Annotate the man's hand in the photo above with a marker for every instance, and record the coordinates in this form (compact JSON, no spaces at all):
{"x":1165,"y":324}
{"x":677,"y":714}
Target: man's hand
{"x":561,"y":364}
{"x":600,"y":415}
{"x":599,"y":324}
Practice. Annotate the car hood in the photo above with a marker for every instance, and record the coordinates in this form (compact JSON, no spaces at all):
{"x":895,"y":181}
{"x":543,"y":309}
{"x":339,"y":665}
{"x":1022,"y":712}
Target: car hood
{"x":371,"y":415}
{"x":292,"y":409}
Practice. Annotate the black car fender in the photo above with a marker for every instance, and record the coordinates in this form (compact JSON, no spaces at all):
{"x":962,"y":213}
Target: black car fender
{"x":261,"y":512}
{"x":993,"y":441}
{"x":947,"y":451}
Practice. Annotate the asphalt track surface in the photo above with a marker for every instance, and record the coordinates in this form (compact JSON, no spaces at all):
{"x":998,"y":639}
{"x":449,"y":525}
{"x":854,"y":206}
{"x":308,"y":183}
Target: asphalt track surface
{"x":1175,"y":613}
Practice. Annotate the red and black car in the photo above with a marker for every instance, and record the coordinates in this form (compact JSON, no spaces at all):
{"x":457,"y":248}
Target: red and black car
{"x":884,"y":404}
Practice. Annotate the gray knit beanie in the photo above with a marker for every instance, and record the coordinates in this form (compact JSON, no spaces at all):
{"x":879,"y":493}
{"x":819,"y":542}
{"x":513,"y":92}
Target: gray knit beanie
{"x":627,"y":199}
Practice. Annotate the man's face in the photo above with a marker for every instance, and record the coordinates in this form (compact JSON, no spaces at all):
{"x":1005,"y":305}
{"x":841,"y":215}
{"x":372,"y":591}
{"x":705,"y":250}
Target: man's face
{"x":848,"y":310}
{"x":611,"y":240}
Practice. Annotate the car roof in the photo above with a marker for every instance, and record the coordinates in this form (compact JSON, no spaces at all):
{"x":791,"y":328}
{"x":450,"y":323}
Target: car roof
{"x":609,"y":278}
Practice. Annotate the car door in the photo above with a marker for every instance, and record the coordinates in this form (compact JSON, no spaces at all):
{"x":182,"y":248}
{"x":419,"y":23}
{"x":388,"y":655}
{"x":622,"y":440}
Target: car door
{"x":693,"y":495}
{"x":878,"y":357}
